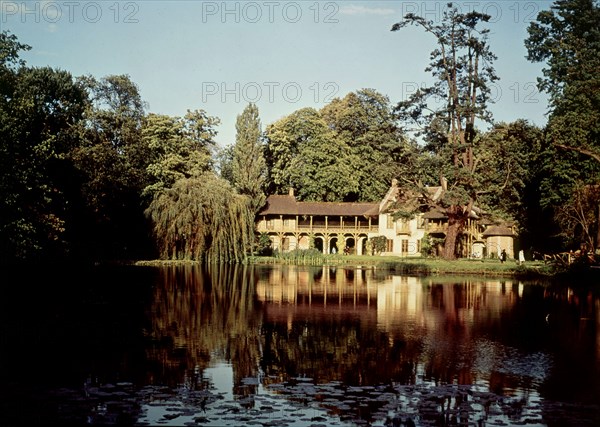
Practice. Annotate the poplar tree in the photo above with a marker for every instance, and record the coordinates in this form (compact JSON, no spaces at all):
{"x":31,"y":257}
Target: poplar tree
{"x":248,"y":167}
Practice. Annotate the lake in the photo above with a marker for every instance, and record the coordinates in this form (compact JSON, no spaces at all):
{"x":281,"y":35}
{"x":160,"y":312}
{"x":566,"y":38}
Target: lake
{"x":295,"y":346}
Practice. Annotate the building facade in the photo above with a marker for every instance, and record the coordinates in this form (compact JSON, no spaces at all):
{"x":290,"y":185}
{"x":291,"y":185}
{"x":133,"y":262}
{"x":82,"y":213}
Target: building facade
{"x":350,"y":228}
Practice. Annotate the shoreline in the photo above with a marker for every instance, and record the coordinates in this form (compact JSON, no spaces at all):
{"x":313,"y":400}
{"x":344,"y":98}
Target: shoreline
{"x":416,"y":266}
{"x":434,"y":267}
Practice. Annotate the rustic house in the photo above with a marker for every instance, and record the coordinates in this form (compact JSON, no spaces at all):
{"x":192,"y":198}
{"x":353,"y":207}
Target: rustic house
{"x":335,"y":227}
{"x":291,"y":224}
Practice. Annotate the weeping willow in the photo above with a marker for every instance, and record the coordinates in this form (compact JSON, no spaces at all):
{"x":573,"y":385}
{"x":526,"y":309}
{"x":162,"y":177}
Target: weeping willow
{"x":201,"y":219}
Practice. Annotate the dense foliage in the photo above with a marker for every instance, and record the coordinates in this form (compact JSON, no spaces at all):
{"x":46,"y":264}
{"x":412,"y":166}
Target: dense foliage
{"x":202,"y":219}
{"x":349,"y":151}
{"x":567,"y":39}
{"x":462,"y":68}
{"x":248,"y":166}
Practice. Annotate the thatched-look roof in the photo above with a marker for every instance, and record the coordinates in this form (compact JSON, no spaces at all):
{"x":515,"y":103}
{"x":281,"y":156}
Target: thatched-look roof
{"x":498,"y":230}
{"x":435,"y":214}
{"x":288,"y":205}
{"x":439,"y":213}
{"x":280,"y":205}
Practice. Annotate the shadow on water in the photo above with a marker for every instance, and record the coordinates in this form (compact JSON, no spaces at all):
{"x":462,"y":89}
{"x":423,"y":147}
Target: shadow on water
{"x":287,"y":345}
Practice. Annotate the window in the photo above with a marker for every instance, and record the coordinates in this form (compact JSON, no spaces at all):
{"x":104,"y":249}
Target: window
{"x":390,"y":222}
{"x":390,"y":245}
{"x":404,"y":246}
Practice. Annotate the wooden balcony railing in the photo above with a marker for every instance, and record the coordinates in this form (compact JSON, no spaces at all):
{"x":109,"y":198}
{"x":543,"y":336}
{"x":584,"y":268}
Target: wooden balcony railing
{"x":435,"y":228}
{"x":402,"y":229}
{"x":318,"y":228}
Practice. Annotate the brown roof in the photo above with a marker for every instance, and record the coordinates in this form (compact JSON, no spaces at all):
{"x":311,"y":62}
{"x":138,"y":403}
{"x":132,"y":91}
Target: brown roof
{"x":329,"y":208}
{"x":288,"y":205}
{"x":280,"y":205}
{"x":434,"y":214}
{"x":438,"y":213}
{"x":498,"y":230}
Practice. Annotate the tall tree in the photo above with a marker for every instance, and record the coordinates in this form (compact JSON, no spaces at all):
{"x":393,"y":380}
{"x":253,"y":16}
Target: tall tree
{"x":462,"y":68}
{"x":112,"y":164}
{"x":303,"y":153}
{"x":511,"y":153}
{"x":38,"y":109}
{"x":248,"y":166}
{"x":365,"y":122}
{"x":567,"y":39}
{"x":176,"y":148}
{"x":201,"y":218}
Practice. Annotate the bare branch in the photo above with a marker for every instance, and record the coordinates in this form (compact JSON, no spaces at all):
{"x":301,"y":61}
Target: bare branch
{"x":592,"y":154}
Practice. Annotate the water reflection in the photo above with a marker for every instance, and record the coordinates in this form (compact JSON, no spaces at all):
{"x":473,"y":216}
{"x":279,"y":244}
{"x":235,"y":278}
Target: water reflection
{"x":199,"y":315}
{"x":370,"y":330}
{"x":285,"y":345}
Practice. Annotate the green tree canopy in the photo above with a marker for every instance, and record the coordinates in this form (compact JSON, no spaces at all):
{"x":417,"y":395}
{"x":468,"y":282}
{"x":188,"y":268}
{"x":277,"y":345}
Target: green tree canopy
{"x":201,"y":218}
{"x":111,"y":162}
{"x":566,"y":38}
{"x":303,"y":153}
{"x":364,"y":121}
{"x":38,"y":108}
{"x":176,"y":148}
{"x":248,"y":167}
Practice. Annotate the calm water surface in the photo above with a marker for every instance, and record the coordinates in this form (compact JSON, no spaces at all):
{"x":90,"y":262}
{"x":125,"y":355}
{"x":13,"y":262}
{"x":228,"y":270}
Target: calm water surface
{"x":295,"y":346}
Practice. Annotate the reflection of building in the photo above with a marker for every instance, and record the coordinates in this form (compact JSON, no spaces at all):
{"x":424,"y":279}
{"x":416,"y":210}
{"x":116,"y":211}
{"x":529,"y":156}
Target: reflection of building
{"x":399,"y":302}
{"x":333,"y":227}
{"x":373,"y":328}
{"x":313,"y":290}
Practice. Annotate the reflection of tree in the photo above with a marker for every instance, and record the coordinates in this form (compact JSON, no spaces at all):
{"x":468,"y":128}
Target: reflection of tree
{"x":199,"y":312}
{"x":337,"y":350}
{"x":573,"y":321}
{"x":440,"y":328}
{"x":413,"y":332}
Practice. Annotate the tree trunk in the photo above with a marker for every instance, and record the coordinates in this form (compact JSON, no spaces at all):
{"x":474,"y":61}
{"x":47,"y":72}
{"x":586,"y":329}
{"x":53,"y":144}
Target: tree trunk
{"x":597,"y":242}
{"x":456,"y":224}
{"x":450,"y":242}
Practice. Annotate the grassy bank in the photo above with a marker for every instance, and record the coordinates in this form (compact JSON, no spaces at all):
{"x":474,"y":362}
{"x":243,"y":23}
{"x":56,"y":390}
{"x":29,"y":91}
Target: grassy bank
{"x":420,"y":266}
{"x":414,"y":266}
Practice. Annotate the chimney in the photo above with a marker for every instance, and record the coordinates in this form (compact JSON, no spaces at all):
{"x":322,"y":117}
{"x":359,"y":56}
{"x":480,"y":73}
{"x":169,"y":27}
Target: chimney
{"x":291,"y":193}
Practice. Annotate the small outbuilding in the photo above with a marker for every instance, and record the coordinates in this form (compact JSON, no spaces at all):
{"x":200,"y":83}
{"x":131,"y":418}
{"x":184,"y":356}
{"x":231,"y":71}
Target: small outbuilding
{"x":499,"y":237}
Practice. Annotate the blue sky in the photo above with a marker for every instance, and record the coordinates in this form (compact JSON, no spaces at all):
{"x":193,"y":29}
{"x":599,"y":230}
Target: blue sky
{"x":281,"y":55}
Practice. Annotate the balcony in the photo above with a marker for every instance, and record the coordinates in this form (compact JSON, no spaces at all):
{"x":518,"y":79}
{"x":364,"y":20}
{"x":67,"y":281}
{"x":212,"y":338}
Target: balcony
{"x":402,"y":228}
{"x":344,"y":228}
{"x":437,"y":228}
{"x":319,"y":227}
